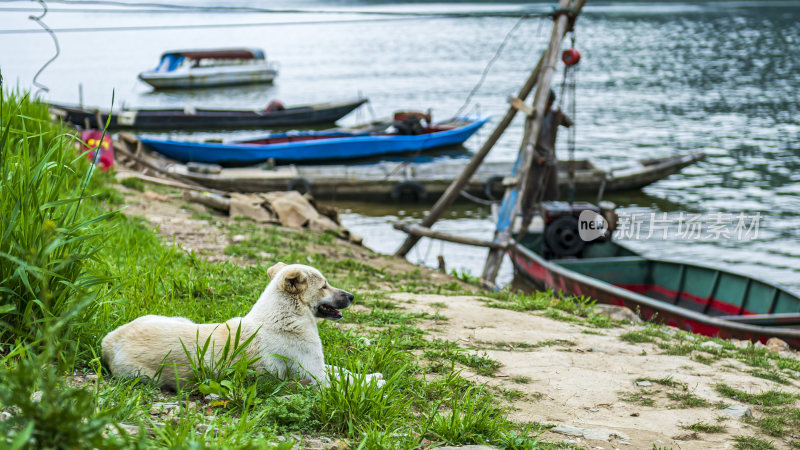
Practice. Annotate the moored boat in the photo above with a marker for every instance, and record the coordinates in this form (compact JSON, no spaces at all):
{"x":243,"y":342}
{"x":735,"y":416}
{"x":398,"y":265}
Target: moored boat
{"x":210,"y":67}
{"x":425,"y":180}
{"x":694,"y":297}
{"x":274,"y":115}
{"x":322,"y":146}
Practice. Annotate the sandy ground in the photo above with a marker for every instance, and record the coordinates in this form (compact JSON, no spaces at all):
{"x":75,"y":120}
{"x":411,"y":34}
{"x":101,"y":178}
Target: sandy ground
{"x":577,"y":384}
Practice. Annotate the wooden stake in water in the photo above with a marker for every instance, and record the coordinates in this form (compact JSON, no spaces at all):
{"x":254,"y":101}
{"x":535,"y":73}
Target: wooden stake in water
{"x":511,"y":204}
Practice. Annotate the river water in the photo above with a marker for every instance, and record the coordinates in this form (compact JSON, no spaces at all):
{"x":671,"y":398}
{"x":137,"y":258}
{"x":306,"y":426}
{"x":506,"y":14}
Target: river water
{"x":655,"y":79}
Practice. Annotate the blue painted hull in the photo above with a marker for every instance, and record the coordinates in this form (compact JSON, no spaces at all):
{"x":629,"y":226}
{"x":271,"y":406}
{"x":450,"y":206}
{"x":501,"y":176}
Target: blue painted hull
{"x":342,"y":146}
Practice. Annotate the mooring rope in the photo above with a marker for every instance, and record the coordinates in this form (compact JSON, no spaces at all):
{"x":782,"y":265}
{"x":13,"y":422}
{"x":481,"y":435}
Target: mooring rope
{"x":38,"y":19}
{"x":496,"y":55}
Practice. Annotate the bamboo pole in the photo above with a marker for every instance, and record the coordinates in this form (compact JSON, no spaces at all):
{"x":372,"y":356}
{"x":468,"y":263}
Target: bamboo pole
{"x":513,"y":197}
{"x":122,"y":147}
{"x":420,"y":231}
{"x":452,"y":192}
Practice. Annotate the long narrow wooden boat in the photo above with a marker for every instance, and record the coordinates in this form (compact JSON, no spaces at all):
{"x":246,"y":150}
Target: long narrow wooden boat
{"x":384,"y":180}
{"x":697,"y":298}
{"x":319,"y":146}
{"x":210,"y":67}
{"x":208,"y":118}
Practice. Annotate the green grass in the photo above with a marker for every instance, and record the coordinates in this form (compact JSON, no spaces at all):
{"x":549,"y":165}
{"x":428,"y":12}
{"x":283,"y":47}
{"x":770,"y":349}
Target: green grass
{"x":481,"y":364}
{"x":650,"y":333}
{"x":751,"y":443}
{"x":133,"y":183}
{"x":703,"y":427}
{"x":641,"y":397}
{"x":770,"y":374}
{"x":573,"y":309}
{"x":202,"y":216}
{"x":707,"y":360}
{"x":766,"y":398}
{"x":469,"y":418}
{"x":687,"y":400}
{"x":516,"y":346}
{"x":51,"y":227}
{"x":779,"y":421}
{"x":665,"y":381}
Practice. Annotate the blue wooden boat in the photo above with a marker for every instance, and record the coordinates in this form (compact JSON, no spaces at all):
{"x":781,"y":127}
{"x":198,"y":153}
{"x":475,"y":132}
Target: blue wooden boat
{"x":320,"y":146}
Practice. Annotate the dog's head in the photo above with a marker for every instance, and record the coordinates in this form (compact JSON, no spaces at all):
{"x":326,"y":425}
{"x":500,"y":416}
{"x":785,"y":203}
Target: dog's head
{"x":310,"y":288}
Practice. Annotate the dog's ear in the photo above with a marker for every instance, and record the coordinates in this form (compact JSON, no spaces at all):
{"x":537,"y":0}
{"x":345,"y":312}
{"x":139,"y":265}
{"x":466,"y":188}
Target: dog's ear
{"x":272,"y":271}
{"x":295,"y":281}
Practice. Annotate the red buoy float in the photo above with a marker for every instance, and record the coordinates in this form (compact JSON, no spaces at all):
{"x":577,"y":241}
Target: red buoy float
{"x":571,"y":56}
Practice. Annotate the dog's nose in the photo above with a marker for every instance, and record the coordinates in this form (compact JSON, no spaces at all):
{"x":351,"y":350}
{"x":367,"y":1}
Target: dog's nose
{"x":350,"y":296}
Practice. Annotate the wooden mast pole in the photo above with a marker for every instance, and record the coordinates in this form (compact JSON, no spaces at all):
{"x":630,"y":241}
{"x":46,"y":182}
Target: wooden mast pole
{"x":458,"y":184}
{"x":511,"y":204}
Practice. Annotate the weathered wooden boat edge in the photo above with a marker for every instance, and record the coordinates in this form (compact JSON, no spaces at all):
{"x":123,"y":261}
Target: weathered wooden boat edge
{"x":671,"y":314}
{"x":663,"y":168}
{"x":310,"y":114}
{"x":349,"y":185}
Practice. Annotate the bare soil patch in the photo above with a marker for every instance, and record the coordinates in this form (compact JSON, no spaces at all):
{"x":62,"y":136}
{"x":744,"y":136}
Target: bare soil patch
{"x":577,"y":379}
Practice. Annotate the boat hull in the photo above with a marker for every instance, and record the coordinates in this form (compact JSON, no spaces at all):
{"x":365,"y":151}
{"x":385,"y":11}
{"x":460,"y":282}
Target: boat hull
{"x":341,"y":147}
{"x":675,"y":307}
{"x":208,"y":77}
{"x":377,"y":181}
{"x":169,"y":119}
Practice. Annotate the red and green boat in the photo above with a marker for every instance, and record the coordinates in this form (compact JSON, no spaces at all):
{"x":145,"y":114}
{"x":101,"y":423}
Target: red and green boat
{"x":696,"y":298}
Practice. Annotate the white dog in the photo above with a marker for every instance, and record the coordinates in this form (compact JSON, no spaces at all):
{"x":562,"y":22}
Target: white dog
{"x":283,"y":321}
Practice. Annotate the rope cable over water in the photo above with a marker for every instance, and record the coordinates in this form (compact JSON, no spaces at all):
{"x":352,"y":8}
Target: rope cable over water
{"x":206,"y":25}
{"x":38,"y":19}
{"x":496,"y":55}
{"x":149,"y":7}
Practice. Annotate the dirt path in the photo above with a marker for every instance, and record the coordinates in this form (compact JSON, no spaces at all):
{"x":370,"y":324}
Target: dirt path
{"x":576,"y":379}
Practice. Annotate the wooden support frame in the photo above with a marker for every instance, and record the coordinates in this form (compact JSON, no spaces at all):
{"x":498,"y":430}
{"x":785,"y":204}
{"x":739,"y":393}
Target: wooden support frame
{"x":420,"y":231}
{"x":512,"y":200}
{"x":521,"y":106}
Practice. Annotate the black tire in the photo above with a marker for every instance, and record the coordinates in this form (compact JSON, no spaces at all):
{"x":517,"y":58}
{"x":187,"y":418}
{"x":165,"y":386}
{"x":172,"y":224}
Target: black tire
{"x":300,"y":185}
{"x":562,"y":236}
{"x":416,"y":190}
{"x":488,"y":187}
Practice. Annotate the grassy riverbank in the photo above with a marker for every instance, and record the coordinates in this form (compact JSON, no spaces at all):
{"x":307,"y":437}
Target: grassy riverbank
{"x":74,"y":268}
{"x":81,"y":255}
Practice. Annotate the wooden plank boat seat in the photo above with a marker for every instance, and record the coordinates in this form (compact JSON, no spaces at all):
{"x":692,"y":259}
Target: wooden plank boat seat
{"x":604,"y":259}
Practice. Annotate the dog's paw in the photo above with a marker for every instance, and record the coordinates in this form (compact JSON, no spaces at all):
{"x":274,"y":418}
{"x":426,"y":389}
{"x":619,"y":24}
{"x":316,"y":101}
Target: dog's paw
{"x":376,"y":379}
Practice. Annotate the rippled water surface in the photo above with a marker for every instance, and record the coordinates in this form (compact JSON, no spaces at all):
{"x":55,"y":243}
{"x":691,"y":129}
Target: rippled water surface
{"x":655,"y":79}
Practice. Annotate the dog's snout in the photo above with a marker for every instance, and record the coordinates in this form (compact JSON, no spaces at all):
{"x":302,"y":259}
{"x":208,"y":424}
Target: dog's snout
{"x":345,"y":298}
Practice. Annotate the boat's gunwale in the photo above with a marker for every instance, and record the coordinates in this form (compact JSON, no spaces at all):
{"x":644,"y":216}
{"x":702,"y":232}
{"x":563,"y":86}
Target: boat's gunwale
{"x":362,"y":145}
{"x":290,"y":109}
{"x":216,"y":146}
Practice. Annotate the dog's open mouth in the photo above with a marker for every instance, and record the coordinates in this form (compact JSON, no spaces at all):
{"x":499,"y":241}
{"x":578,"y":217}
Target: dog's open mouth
{"x":328,"y":312}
